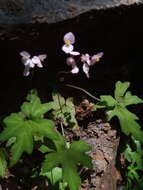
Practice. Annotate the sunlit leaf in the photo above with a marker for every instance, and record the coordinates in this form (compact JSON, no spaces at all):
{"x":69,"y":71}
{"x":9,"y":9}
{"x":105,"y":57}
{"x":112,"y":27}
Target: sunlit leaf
{"x":117,"y":107}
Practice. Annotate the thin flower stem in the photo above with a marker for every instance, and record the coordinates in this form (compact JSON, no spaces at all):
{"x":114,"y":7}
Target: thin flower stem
{"x":76,"y":87}
{"x":63,"y":72}
{"x":62,"y":128}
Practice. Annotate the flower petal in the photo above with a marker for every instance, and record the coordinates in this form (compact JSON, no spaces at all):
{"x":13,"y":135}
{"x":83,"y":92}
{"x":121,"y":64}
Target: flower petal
{"x":28,"y":62}
{"x":37,"y":61}
{"x":69,"y":37}
{"x":67,"y":48}
{"x":96,"y":58}
{"x":26,"y":71}
{"x":74,"y":53}
{"x":85,"y":68}
{"x":85,"y":58}
{"x":25,"y":54}
{"x":42,"y":57}
{"x":75,"y":70}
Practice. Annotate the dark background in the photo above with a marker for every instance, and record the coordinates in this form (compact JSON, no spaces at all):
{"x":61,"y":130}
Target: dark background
{"x":118,"y":32}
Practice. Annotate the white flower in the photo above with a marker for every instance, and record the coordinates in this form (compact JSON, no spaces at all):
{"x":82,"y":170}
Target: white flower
{"x":67,"y":48}
{"x":89,"y":61}
{"x":85,"y":68}
{"x":69,"y":40}
{"x":37,"y":61}
{"x":31,"y":62}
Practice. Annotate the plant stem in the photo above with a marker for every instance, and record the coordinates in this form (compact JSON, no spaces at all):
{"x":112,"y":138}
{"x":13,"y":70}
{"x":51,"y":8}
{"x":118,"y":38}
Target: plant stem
{"x":76,"y":87}
{"x":62,"y":128}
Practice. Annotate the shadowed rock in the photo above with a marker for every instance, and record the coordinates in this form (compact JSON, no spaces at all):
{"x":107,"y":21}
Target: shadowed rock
{"x":51,"y":11}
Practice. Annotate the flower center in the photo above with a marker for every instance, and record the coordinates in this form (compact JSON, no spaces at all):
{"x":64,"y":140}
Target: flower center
{"x":68,"y":42}
{"x":97,"y":59}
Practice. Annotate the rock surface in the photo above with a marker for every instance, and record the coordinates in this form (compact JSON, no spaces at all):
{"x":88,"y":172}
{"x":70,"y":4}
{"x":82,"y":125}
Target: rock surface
{"x":51,"y":11}
{"x":104,"y":143}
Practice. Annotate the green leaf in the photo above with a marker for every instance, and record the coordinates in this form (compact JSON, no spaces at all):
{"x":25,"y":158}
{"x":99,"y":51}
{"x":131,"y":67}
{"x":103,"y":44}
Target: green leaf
{"x":129,"y":99}
{"x":26,"y":109}
{"x":46,"y":128}
{"x":55,"y":175}
{"x":117,"y":107}
{"x":71,"y":113}
{"x":120,"y":89}
{"x":10,"y":141}
{"x":100,"y":105}
{"x":68,"y":159}
{"x":13,"y":124}
{"x":108,"y":100}
{"x":34,"y":108}
{"x":24,"y":131}
{"x":42,"y":109}
{"x":3,"y":163}
{"x":62,"y":186}
{"x":127,"y":122}
{"x":45,"y":149}
{"x":135,"y":157}
{"x":64,"y":110}
{"x":32,"y":95}
{"x":58,"y":100}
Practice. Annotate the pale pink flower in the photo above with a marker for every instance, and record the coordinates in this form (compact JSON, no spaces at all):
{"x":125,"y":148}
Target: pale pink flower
{"x":69,"y":40}
{"x":96,"y":58}
{"x":31,"y":62}
{"x":89,"y":61}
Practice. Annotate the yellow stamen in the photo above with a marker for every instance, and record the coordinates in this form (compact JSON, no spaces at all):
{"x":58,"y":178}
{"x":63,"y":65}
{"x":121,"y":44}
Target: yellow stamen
{"x":97,"y":59}
{"x":68,"y":42}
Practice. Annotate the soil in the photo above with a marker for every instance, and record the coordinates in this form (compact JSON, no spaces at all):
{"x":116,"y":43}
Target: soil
{"x":96,"y":132}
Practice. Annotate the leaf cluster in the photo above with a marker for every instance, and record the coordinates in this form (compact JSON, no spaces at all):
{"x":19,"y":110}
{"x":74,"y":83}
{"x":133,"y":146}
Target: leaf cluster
{"x":117,"y":106}
{"x":26,"y":124}
{"x":23,"y":129}
{"x":135,"y":158}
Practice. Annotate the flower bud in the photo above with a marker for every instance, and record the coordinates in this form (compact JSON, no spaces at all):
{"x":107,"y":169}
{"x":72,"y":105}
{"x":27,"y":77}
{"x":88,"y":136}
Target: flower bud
{"x":70,"y":61}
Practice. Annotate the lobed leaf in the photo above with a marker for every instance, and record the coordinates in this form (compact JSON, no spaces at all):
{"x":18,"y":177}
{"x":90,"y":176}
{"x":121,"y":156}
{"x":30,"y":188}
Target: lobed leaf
{"x":127,"y":122}
{"x":68,"y":159}
{"x":109,"y":101}
{"x":129,"y":99}
{"x":135,"y":157}
{"x":120,"y":89}
{"x":33,"y":108}
{"x":24,"y":131}
{"x":117,"y":107}
{"x":64,"y":110}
